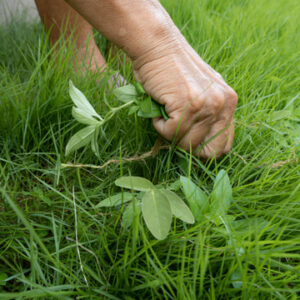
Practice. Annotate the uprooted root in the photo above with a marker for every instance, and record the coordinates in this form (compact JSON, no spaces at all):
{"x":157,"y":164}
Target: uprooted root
{"x":153,"y":152}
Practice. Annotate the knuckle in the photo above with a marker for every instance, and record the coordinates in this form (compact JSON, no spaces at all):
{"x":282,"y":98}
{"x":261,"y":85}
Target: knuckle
{"x":195,"y":105}
{"x":192,"y":93}
{"x":214,"y":98}
{"x":231,"y":97}
{"x":217,"y":101}
{"x":195,"y":100}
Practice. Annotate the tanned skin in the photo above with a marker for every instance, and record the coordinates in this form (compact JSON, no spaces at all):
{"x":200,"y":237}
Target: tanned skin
{"x":199,"y":103}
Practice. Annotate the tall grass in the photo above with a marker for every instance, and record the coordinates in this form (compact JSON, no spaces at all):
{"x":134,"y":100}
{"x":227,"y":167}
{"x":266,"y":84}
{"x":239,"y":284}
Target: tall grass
{"x":255,"y":46}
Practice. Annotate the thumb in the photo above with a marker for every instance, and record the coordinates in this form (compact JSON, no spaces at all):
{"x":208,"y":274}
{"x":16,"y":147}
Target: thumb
{"x":159,"y":125}
{"x":169,"y":128}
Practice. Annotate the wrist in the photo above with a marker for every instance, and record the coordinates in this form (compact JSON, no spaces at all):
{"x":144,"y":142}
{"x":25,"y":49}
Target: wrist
{"x":134,"y":25}
{"x":143,"y":25}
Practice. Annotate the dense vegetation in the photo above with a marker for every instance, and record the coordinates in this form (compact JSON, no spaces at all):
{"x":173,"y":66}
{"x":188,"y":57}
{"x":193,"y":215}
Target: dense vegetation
{"x":55,"y":242}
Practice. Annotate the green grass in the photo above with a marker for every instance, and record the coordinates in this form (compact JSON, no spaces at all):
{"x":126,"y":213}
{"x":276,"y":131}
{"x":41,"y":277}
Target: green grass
{"x":255,"y":46}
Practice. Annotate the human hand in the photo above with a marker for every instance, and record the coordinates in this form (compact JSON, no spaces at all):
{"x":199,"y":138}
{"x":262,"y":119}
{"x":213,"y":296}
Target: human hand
{"x":199,"y":103}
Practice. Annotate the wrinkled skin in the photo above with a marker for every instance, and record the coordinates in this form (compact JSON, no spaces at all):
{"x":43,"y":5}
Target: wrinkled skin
{"x":199,"y":103}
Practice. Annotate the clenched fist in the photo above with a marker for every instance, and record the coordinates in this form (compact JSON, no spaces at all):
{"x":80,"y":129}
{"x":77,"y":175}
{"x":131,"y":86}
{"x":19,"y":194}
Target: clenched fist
{"x":199,"y":103}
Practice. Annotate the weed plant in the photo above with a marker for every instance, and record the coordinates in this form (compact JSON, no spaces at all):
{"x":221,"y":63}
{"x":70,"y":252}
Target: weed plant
{"x":56,"y":243}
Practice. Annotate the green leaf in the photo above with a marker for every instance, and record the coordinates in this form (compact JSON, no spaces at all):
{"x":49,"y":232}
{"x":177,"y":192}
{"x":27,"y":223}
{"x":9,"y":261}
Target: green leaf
{"x":133,"y":109}
{"x":81,"y":102}
{"x":163,"y":112}
{"x":157,"y":213}
{"x":250,"y":225}
{"x":179,"y":209}
{"x":39,"y":194}
{"x":80,"y":139}
{"x":3,"y":277}
{"x":221,"y":195}
{"x":115,"y":200}
{"x":175,"y":186}
{"x":237,"y":279}
{"x":284,"y":114}
{"x":129,"y":213}
{"x":196,"y":198}
{"x":94,"y":142}
{"x":148,"y":115}
{"x":146,"y":105}
{"x":82,"y":117}
{"x":149,"y":109}
{"x":126,"y":93}
{"x":139,"y":88}
{"x":134,"y":183}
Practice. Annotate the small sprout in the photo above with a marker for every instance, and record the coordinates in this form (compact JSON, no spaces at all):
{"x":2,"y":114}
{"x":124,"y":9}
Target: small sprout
{"x":132,"y":96}
{"x":158,"y":205}
{"x":84,"y":113}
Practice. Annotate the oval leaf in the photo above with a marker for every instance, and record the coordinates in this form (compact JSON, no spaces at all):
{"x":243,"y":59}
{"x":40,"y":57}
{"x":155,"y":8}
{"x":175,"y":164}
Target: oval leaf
{"x":115,"y":200}
{"x":133,"y":109}
{"x":129,"y":213}
{"x":81,"y":101}
{"x":222,"y":194}
{"x":149,"y":109}
{"x":83,"y":117}
{"x":179,"y":209}
{"x":135,"y":183}
{"x":126,"y":93}
{"x":196,"y":198}
{"x":80,"y":139}
{"x":157,"y":213}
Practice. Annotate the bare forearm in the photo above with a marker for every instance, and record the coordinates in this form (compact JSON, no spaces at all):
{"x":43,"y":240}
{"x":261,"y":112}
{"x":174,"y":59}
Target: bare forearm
{"x":136,"y":26}
{"x":199,"y":103}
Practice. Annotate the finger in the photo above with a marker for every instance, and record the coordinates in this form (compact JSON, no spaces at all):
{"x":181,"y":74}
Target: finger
{"x":192,"y":125}
{"x":220,"y":137}
{"x":217,"y":140}
{"x":174,"y":126}
{"x":194,"y":136}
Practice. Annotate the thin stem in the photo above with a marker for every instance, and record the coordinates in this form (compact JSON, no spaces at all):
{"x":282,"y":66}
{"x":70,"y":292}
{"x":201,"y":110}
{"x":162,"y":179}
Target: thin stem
{"x":114,"y":110}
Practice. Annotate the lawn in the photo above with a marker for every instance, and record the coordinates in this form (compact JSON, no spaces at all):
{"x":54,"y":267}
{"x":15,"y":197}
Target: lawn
{"x":55,"y":243}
